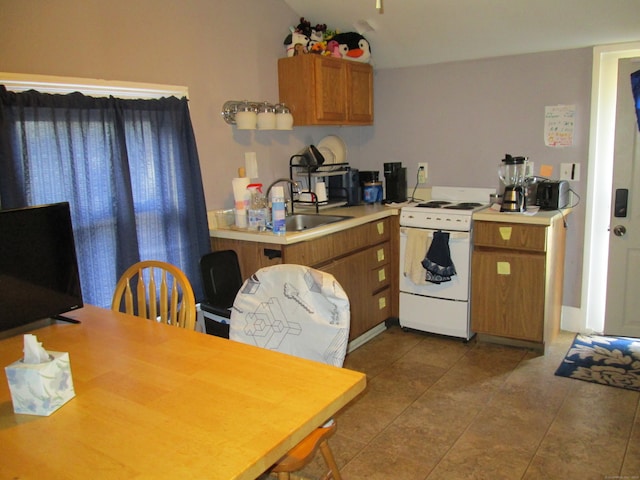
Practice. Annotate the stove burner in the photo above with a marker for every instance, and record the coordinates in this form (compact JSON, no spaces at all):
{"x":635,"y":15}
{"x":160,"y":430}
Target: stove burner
{"x":434,"y":204}
{"x":464,"y":206}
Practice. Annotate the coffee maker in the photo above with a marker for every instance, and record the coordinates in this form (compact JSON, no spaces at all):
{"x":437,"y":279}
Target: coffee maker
{"x":512,"y":173}
{"x":395,"y":182}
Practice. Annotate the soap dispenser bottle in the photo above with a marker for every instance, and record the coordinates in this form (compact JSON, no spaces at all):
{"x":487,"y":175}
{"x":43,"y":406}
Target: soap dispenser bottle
{"x":278,"y":212}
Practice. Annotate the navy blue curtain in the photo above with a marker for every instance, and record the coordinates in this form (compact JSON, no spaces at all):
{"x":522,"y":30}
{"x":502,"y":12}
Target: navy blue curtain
{"x":128,"y":168}
{"x":635,"y":87}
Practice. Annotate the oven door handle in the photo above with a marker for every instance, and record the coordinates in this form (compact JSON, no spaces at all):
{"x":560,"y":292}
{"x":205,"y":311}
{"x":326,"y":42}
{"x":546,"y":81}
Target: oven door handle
{"x":452,"y":235}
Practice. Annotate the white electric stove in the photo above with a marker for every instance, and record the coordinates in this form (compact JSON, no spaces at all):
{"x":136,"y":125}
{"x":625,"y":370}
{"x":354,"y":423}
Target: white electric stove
{"x":441,"y":308}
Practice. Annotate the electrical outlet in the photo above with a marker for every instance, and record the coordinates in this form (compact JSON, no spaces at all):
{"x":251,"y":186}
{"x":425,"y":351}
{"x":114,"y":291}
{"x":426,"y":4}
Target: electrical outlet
{"x":570,"y":171}
{"x":422,"y":172}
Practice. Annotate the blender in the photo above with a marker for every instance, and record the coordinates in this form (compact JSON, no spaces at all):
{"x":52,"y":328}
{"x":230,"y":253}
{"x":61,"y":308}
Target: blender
{"x":512,"y":173}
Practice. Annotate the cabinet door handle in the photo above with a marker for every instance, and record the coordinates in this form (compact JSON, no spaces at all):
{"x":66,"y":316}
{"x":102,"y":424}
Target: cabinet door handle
{"x":271,"y":253}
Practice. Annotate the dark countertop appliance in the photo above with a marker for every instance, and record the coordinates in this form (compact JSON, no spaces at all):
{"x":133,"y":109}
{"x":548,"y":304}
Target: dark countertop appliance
{"x":395,"y":182}
{"x":552,"y":194}
{"x":346,"y":186}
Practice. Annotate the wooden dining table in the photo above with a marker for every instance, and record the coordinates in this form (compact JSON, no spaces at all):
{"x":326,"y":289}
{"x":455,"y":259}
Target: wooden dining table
{"x":159,"y":402}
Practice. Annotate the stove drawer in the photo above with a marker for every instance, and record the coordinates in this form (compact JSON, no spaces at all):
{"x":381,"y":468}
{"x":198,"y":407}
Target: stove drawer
{"x":515,"y":236}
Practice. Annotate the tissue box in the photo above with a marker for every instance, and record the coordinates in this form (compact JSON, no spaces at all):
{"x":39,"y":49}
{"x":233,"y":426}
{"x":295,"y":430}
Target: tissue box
{"x":41,"y":388}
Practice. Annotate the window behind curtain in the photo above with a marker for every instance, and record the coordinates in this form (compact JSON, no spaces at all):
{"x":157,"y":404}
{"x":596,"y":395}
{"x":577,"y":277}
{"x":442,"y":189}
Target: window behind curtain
{"x":129,"y":169}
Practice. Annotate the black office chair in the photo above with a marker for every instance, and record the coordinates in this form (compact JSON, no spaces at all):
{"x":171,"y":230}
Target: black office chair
{"x":222,"y":280}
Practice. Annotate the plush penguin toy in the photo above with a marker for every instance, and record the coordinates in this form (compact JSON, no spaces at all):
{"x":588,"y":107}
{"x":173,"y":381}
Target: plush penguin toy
{"x":353,"y":46}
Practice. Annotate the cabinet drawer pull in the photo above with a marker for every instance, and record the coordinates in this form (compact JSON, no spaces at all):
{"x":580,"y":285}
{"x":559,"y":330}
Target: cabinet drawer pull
{"x":503,"y":268}
{"x":505,"y":233}
{"x":382,"y":275}
{"x":380,"y":226}
{"x":380,"y":254}
{"x":382,"y":303}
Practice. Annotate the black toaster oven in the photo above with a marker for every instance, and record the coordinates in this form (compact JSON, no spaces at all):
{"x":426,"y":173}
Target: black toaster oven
{"x":552,"y":194}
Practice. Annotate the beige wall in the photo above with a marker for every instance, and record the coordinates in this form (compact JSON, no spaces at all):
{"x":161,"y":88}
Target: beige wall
{"x":460,"y":117}
{"x":463,"y":117}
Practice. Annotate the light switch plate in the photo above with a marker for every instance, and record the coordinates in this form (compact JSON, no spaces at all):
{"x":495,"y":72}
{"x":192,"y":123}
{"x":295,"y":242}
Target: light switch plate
{"x":570,"y":171}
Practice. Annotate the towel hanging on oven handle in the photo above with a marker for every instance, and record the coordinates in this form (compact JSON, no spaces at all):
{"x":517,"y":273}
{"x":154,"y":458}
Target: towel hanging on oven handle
{"x":438,"y":263}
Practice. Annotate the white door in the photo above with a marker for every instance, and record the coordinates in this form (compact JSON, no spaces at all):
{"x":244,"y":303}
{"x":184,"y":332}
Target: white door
{"x":622,"y":313}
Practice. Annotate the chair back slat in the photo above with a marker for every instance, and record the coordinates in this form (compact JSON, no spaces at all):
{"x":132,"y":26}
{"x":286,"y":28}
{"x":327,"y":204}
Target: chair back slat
{"x":128,"y":295}
{"x":150,"y":299}
{"x":164,"y":299}
{"x":175,"y":312}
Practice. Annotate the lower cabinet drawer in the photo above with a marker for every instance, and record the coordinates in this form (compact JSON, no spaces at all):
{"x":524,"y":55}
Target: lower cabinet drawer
{"x":379,"y":278}
{"x":381,"y":306}
{"x":510,"y":235}
{"x":380,"y":254}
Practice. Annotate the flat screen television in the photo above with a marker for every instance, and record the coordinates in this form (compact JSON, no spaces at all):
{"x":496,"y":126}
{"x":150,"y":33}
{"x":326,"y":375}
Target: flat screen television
{"x":39,"y":276}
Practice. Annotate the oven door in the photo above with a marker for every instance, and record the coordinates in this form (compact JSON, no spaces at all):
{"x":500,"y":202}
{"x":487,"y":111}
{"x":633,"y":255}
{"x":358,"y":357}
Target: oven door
{"x":458,"y":287}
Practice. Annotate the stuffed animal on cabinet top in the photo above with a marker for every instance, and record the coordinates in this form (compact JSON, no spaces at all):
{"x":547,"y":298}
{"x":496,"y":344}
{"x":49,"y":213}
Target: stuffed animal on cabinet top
{"x":319,"y":40}
{"x":351,"y":46}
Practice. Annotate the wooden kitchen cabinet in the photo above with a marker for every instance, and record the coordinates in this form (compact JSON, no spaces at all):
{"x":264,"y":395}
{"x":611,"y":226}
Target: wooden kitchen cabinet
{"x":363,"y":259}
{"x":517,"y":276}
{"x":326,"y":91}
{"x":365,"y":276}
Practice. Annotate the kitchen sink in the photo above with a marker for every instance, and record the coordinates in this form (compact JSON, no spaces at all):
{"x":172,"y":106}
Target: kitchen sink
{"x":304,"y":221}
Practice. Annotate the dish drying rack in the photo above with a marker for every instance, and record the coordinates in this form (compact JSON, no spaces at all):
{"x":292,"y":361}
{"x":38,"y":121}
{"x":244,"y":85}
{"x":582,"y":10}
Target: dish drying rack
{"x":309,"y":172}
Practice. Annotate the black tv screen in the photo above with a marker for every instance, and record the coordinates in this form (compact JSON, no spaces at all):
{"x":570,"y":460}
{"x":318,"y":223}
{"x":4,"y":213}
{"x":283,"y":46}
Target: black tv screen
{"x":39,"y":276}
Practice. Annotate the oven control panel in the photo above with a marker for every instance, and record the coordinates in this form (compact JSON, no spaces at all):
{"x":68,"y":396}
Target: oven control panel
{"x":441,"y":220}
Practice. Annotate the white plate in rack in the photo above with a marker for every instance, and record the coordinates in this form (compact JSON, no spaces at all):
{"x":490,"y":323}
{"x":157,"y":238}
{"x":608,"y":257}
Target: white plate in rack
{"x":329,"y":157}
{"x":337,"y":147}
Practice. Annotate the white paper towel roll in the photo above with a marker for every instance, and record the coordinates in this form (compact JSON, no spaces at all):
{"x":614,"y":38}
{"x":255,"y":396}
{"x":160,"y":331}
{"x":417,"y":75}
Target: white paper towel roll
{"x":241,"y":218}
{"x":239,"y":191}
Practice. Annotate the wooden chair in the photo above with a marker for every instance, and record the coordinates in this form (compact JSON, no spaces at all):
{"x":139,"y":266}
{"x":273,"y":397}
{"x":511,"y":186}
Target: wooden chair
{"x":157,"y":291}
{"x":303,"y":312}
{"x":302,"y":454}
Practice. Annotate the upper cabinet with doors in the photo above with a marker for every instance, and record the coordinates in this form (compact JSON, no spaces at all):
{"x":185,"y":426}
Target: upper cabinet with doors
{"x":326,"y":91}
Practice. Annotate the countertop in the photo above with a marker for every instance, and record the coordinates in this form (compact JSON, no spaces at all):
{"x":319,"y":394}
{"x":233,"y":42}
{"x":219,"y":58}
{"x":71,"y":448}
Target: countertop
{"x":541,"y":217}
{"x":361,"y":214}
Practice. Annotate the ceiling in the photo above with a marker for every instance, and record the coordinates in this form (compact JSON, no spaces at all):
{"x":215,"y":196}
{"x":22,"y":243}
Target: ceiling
{"x":421,"y":32}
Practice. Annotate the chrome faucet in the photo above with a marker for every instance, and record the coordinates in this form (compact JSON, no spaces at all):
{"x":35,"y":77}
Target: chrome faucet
{"x":296,"y":189}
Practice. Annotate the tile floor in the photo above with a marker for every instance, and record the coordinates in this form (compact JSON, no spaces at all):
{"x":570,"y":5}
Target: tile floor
{"x":436,"y":408}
